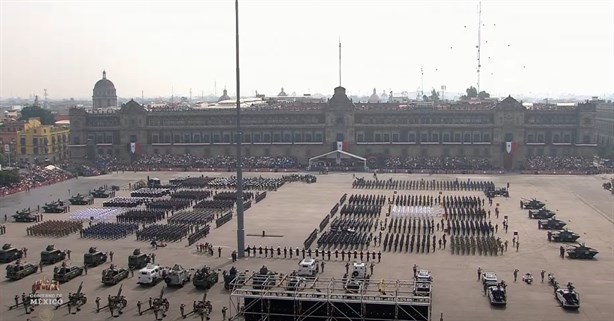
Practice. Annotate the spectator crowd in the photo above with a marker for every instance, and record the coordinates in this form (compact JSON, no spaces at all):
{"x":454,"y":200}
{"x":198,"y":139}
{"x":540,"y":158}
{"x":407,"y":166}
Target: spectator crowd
{"x":562,"y":163}
{"x":439,"y":163}
{"x":36,"y":176}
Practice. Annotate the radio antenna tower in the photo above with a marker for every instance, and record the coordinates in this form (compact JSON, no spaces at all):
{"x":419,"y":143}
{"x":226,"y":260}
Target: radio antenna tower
{"x":339,"y":61}
{"x":479,"y":46}
{"x":421,"y":81}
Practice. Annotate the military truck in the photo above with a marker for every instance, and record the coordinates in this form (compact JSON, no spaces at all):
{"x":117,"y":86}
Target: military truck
{"x":9,"y":253}
{"x":565,"y":236}
{"x":113,"y":275}
{"x":80,"y":199}
{"x":533,"y":204}
{"x":66,"y":273}
{"x":18,"y":271}
{"x":542,"y":213}
{"x":493,"y":192}
{"x":24,"y":216}
{"x":138,"y":260}
{"x":94,"y":257}
{"x":233,"y":278}
{"x":176,"y":276}
{"x":581,"y":251}
{"x":55,"y":207}
{"x":205,"y":278}
{"x":550,"y":224}
{"x":51,"y":255}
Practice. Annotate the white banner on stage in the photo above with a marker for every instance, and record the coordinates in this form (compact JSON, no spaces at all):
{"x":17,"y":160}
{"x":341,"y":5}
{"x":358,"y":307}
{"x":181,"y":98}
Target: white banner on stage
{"x":416,"y":211}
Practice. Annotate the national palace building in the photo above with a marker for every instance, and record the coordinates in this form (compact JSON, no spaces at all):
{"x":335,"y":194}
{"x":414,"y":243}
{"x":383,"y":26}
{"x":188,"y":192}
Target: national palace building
{"x":504,"y":132}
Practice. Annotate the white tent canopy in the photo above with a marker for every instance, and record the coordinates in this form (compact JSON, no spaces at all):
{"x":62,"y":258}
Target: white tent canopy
{"x":338,"y":153}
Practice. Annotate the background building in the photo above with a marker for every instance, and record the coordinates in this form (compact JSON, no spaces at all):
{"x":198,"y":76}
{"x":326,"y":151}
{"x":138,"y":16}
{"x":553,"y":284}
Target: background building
{"x":605,"y":124}
{"x":38,"y":143}
{"x":104,"y":93}
{"x":504,"y":133}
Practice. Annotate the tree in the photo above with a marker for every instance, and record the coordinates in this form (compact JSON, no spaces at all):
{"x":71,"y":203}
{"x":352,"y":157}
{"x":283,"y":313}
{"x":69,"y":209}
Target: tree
{"x":434,"y":95}
{"x":425,"y":98}
{"x":33,"y":111}
{"x":9,"y":177}
{"x":472,"y":92}
{"x":483,"y":95}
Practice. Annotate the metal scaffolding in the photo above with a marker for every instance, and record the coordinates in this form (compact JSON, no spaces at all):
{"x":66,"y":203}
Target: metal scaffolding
{"x":329,"y":299}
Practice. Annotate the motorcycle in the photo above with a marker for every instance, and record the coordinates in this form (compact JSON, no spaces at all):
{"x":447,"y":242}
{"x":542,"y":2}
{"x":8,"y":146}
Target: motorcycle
{"x":528,"y":278}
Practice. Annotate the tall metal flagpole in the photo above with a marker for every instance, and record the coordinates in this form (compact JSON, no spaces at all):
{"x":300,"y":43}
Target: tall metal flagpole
{"x":239,"y":139}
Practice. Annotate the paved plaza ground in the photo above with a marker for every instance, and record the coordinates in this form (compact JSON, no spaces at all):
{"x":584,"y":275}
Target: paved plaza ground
{"x":296,"y":209}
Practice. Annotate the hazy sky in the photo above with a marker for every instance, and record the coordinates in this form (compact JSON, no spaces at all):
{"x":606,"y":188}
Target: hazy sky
{"x":532,"y":47}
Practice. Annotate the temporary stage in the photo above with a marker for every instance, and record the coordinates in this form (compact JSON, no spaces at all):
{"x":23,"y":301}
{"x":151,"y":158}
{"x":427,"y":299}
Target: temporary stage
{"x":319,"y":299}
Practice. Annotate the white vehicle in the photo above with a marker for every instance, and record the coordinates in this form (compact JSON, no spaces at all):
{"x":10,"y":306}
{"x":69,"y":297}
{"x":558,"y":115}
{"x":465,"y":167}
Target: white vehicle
{"x":150,"y":275}
{"x":424,"y":276}
{"x":489,"y":279}
{"x":359,"y":271}
{"x":308,"y":267}
{"x":422,"y":288}
{"x":568,"y":298}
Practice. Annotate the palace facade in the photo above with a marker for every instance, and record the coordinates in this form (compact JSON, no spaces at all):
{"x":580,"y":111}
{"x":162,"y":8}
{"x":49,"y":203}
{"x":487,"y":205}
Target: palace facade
{"x":505,"y":132}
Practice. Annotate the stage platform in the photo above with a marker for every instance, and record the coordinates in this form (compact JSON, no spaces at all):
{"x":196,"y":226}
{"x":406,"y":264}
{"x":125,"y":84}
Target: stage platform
{"x":318,"y":299}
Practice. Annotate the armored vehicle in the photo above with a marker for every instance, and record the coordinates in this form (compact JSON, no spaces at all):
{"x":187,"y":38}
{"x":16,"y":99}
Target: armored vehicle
{"x":424,"y":276}
{"x":581,"y":251}
{"x":551,"y":224}
{"x":205,"y":278}
{"x":177,"y":276}
{"x":531,"y":204}
{"x":9,"y":254}
{"x":66,"y":273}
{"x":52,"y":255}
{"x":18,"y":271}
{"x":565,"y":236}
{"x":101,"y":192}
{"x":496,"y":295}
{"x":150,"y":275}
{"x":81,"y":199}
{"x":233,"y":278}
{"x":55,"y":207}
{"x":24,"y":216}
{"x":138,"y":260}
{"x":94,"y":257}
{"x":264,"y":279}
{"x":568,"y":297}
{"x":296,"y":283}
{"x":113,"y":275}
{"x":542,"y":213}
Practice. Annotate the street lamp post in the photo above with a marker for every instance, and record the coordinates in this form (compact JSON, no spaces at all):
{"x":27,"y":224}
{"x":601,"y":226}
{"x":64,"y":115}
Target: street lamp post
{"x":239,"y":139}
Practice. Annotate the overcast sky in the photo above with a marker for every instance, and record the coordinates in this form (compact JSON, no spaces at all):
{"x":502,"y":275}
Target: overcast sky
{"x":536,"y":47}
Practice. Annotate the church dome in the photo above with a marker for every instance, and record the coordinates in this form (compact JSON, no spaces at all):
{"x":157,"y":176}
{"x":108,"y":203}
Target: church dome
{"x":104,"y":83}
{"x":374,"y":97}
{"x":282,"y":93}
{"x":224,"y":96}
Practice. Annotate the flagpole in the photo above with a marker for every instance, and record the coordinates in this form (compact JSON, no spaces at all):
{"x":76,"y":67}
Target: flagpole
{"x":239,"y":139}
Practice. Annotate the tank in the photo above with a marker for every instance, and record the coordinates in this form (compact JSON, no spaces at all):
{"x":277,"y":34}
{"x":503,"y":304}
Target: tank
{"x":55,"y":207}
{"x":24,"y":216}
{"x":551,"y":224}
{"x":81,"y":199}
{"x":533,"y":204}
{"x":581,"y":251}
{"x":205,"y":278}
{"x":542,"y":213}
{"x":565,"y":236}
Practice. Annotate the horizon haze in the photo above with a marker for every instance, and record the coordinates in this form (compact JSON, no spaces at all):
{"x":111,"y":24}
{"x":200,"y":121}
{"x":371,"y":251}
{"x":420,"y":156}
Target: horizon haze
{"x":540,"y":48}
